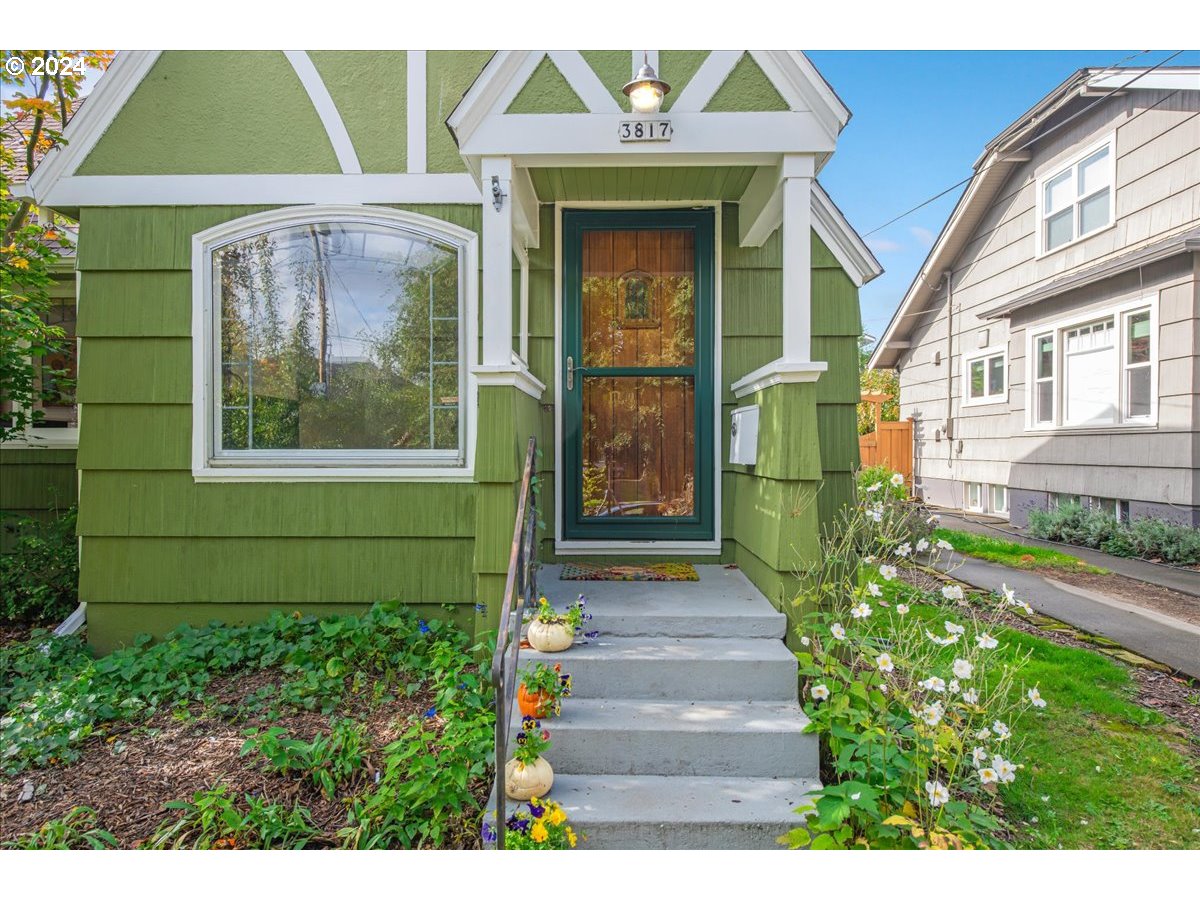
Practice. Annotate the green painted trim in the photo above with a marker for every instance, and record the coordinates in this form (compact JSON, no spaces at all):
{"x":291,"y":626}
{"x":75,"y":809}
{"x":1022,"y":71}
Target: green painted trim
{"x":370,"y":90}
{"x":746,"y":89}
{"x":546,"y":91}
{"x":215,"y":113}
{"x":575,"y":524}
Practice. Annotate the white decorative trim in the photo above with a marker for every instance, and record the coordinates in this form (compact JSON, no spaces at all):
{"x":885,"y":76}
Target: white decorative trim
{"x":777,"y":372}
{"x":85,"y":130}
{"x":707,"y":81}
{"x":517,"y":376}
{"x":415,"y":112}
{"x":184,"y":190}
{"x":584,"y":81}
{"x":843,"y":241}
{"x":327,"y":111}
{"x":802,"y":86}
{"x":204,"y":468}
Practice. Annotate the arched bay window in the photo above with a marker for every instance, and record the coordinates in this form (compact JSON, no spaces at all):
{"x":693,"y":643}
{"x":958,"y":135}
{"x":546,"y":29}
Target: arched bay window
{"x":335,"y":338}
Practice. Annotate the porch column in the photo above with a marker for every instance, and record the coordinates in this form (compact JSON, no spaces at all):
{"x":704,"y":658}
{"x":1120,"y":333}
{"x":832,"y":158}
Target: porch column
{"x":797,"y":175}
{"x":497,"y":260}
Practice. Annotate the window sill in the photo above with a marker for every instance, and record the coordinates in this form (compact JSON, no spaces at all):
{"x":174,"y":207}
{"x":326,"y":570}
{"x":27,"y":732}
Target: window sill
{"x":1093,"y":429}
{"x":217,"y":474}
{"x":990,"y":401}
{"x":1046,"y":254}
{"x":54,"y":439}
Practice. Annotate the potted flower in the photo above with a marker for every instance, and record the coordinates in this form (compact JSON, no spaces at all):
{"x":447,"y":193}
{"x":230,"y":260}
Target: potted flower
{"x":528,"y":774}
{"x":552,"y":631}
{"x":541,"y":690}
{"x":539,"y":825}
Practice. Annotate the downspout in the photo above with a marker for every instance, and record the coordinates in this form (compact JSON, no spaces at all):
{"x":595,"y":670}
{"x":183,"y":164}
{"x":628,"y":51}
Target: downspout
{"x":948,"y":429}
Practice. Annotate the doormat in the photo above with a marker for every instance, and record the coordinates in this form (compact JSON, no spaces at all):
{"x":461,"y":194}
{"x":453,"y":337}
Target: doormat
{"x":627,"y":572}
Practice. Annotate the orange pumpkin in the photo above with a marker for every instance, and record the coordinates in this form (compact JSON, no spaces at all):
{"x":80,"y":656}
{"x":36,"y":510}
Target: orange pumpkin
{"x":539,"y":704}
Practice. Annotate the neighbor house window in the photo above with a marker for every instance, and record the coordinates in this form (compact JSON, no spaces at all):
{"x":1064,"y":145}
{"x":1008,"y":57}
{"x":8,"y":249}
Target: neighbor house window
{"x":1077,"y":199}
{"x":56,"y":378}
{"x":985,"y":376}
{"x":1095,"y":372}
{"x":338,"y":342}
{"x":998,"y":498}
{"x":974,"y":498}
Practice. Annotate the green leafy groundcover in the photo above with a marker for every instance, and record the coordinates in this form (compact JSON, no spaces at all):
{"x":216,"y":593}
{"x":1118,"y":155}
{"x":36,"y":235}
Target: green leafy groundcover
{"x":426,"y":791}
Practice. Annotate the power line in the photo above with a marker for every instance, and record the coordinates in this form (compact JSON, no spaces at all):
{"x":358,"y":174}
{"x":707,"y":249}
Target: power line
{"x":1033,"y":140}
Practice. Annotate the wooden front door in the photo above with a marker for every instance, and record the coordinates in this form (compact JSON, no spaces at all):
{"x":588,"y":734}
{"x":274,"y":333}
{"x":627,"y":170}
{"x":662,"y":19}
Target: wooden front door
{"x":637,"y":375}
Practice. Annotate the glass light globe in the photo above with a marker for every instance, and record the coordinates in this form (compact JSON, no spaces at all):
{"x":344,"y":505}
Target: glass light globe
{"x":646,"y":98}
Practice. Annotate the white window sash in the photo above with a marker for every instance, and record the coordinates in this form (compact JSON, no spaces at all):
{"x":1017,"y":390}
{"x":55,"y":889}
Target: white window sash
{"x":1071,"y":167}
{"x":985,"y":357}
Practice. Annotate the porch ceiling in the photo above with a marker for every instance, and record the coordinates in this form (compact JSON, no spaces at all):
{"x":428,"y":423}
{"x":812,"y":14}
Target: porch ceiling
{"x":667,"y":183}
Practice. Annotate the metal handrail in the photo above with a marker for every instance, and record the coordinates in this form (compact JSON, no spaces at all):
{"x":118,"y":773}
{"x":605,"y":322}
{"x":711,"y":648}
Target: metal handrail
{"x":520,"y":591}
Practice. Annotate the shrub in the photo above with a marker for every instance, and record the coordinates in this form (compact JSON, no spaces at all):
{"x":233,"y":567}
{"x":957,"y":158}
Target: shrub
{"x":1147,"y":537}
{"x":39,"y":578}
{"x":916,"y":720}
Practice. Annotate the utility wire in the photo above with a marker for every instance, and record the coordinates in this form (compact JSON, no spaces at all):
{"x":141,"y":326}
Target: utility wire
{"x":1033,"y":140}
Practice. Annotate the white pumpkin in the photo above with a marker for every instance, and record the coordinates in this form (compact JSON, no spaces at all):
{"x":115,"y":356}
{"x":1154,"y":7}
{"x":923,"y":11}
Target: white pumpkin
{"x":524,"y":781}
{"x":550,"y":637}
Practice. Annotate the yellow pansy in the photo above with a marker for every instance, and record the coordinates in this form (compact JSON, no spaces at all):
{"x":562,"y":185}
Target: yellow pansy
{"x":19,"y":263}
{"x":557,"y":816}
{"x":571,"y":837}
{"x":538,"y":832}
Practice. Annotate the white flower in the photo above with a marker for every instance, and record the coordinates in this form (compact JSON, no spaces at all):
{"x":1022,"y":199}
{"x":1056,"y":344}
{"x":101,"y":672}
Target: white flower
{"x":888,"y":572}
{"x":944,"y":545}
{"x":1045,"y":798}
{"x":935,"y":684}
{"x":805,"y":641}
{"x":988,"y":776}
{"x":838,"y":632}
{"x":978,"y":756}
{"x":884,"y":662}
{"x":876,"y":514}
{"x":930,"y":714}
{"x":902,"y":609}
{"x":1035,"y":698}
{"x":952,"y":592}
{"x":897,"y":480}
{"x":876,"y":486}
{"x":962,"y":668}
{"x":1005,"y":771}
{"x":856,"y":795}
{"x":1025,"y":607}
{"x":951,"y":628}
{"x":904,"y":549}
{"x":819,"y":692}
{"x":954,"y":687}
{"x":983,"y":734}
{"x":942,"y":641}
{"x":1001,"y":730}
{"x":937,"y":793}
{"x":883,"y":688}
{"x":971,"y":696}
{"x":986,"y":641}
{"x":922,"y":545}
{"x":1010,"y":596}
{"x":873,"y":589}
{"x":869,"y":559}
{"x":861,"y":611}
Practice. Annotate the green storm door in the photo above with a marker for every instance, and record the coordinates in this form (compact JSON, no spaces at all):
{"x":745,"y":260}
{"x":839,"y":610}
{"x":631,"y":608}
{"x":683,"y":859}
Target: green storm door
{"x":637,"y":375}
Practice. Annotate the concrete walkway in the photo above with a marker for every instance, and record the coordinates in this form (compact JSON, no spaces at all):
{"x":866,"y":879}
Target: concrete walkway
{"x":1152,"y":634}
{"x":1186,"y":581}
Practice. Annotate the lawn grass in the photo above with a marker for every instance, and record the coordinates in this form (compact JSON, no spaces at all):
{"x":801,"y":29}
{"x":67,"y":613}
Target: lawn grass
{"x":1016,"y":556}
{"x":1114,"y":774}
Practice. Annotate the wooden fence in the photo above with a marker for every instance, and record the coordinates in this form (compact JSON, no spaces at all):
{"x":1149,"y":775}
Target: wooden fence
{"x":890,"y":445}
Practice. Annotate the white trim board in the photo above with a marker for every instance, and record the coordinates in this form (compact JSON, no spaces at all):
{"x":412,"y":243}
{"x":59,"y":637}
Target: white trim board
{"x":327,"y":111}
{"x":416,"y":155}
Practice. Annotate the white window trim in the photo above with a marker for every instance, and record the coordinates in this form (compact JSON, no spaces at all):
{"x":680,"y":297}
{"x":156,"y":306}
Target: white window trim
{"x":975,"y":356}
{"x":1039,"y":240}
{"x":967,"y":496}
{"x":204,"y":347}
{"x":1118,"y":314}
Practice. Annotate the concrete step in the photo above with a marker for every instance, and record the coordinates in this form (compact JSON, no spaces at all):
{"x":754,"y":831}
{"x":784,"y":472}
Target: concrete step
{"x":656,"y":812}
{"x":677,"y":668}
{"x":655,"y":737}
{"x":723,"y":603}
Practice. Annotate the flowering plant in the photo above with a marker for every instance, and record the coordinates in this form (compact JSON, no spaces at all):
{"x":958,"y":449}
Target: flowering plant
{"x":532,"y":741}
{"x":916,"y":709}
{"x":550,"y":684}
{"x":574,"y":616}
{"x":538,"y":825}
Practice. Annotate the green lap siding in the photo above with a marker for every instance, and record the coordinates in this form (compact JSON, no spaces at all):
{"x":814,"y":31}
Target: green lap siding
{"x":36,"y":483}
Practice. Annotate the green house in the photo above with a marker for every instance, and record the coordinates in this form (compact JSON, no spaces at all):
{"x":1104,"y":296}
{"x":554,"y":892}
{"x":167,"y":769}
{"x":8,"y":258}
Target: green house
{"x":326,"y":298}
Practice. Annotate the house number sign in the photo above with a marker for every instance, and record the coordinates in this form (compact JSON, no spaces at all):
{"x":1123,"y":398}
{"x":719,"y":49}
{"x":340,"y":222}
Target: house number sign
{"x":633,"y":130}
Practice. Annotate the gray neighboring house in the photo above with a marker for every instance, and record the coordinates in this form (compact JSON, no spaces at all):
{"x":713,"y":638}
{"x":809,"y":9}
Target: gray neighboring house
{"x":1049,"y":348}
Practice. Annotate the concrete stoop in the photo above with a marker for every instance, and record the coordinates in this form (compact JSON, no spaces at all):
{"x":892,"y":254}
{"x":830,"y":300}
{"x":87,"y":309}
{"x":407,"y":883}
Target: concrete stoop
{"x":683,"y":730}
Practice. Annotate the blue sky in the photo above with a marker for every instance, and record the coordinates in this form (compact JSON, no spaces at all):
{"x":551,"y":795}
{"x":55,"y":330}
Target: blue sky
{"x":920,"y":121}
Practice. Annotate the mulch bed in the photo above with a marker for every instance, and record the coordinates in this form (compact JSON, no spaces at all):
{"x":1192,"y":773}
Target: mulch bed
{"x":128,"y":775}
{"x":1136,"y":593}
{"x":1165,"y":693}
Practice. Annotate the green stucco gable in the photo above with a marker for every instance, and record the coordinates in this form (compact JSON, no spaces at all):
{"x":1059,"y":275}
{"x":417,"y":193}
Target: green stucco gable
{"x":448,"y":73}
{"x":676,"y":67}
{"x":370,"y":90}
{"x":747,"y":89}
{"x":215,"y":113}
{"x":546,"y":91}
{"x":613,"y":68}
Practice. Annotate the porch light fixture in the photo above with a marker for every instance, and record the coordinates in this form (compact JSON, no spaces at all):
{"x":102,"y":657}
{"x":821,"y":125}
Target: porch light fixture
{"x":647,"y":90}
